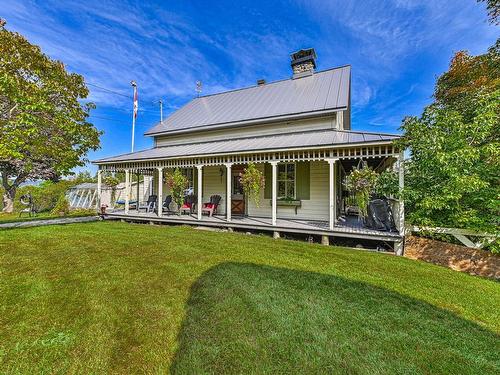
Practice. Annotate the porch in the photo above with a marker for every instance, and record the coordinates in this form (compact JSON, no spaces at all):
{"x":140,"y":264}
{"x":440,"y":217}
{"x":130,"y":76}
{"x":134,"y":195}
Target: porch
{"x":351,"y":227}
{"x":304,"y":187}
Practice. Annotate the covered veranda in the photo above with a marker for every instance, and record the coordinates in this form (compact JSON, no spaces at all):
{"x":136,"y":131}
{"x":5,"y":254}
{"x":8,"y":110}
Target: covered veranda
{"x":156,"y":162}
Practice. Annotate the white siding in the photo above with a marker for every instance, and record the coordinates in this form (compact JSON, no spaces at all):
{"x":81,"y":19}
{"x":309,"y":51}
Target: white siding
{"x":316,"y":208}
{"x":214,"y":184}
{"x":280,"y":128}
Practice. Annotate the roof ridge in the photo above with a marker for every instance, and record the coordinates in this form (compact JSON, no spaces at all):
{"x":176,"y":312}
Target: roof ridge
{"x":270,"y":83}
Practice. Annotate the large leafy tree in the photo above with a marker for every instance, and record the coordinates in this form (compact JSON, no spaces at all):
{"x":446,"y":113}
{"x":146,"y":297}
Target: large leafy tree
{"x":493,"y":8}
{"x":453,"y":175}
{"x":44,"y":131}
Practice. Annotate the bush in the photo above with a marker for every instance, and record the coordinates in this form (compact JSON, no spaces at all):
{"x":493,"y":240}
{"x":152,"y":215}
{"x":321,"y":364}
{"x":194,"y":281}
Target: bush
{"x":61,"y":207}
{"x":45,"y":195}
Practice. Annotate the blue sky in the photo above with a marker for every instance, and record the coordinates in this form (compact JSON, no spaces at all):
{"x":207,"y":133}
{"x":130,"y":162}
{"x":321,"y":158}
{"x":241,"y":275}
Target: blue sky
{"x":396,"y":48}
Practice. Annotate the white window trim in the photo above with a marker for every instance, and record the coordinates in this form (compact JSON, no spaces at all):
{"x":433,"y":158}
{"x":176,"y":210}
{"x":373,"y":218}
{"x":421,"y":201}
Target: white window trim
{"x":286,"y":181}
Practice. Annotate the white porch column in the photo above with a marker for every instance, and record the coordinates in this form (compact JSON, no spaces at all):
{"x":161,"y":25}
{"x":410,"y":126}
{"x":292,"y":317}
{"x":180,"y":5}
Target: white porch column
{"x":228,"y":191}
{"x":200,"y":190}
{"x":159,"y":207}
{"x":137,"y":190}
{"x":127,"y":190}
{"x":332,"y":208}
{"x":99,"y":187}
{"x":274,"y":193}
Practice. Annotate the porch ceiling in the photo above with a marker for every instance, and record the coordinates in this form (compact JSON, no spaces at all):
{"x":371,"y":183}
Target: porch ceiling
{"x":278,"y":142}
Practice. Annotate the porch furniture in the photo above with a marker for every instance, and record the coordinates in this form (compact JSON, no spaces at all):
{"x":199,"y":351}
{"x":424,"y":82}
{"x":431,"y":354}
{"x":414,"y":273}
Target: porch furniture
{"x":211,"y":207}
{"x":150,"y":204}
{"x":189,"y":204}
{"x":27,"y":201}
{"x":166,"y":204}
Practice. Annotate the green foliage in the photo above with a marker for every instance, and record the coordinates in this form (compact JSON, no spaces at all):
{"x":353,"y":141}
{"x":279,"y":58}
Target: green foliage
{"x":468,"y":79}
{"x":62,"y":206}
{"x":177,"y":183}
{"x":112,"y":182}
{"x":44,"y":131}
{"x":361,"y":182}
{"x":453,"y":175}
{"x":253,"y":181}
{"x":45,"y":195}
{"x":84,"y":176}
{"x":387,"y":184}
{"x":493,"y":8}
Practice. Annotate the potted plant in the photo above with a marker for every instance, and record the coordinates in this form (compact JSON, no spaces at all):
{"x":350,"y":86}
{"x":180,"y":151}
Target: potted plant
{"x":177,"y":183}
{"x":253,"y":181}
{"x":112,"y":182}
{"x":361,"y":183}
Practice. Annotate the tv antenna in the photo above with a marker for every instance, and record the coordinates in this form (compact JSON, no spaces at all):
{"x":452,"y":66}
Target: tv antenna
{"x":199,"y":87}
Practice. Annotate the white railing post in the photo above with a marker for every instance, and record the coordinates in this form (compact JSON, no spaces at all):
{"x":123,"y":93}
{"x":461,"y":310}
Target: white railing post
{"x":274,"y":193}
{"x":99,"y":184}
{"x":159,"y":207}
{"x":127,"y":190}
{"x":228,"y":191}
{"x":332,"y":207}
{"x":200,"y":190}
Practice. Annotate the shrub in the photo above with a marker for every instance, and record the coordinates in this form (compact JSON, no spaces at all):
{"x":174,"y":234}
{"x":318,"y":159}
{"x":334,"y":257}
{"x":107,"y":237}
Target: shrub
{"x":61,"y":207}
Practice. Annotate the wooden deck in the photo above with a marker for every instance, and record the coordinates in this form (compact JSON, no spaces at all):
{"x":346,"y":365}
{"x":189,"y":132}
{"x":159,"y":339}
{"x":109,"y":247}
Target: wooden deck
{"x":349,"y":229}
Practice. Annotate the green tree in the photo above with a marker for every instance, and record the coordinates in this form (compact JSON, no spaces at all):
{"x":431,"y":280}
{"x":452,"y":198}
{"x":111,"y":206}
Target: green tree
{"x":467,"y":78}
{"x":493,"y":8}
{"x":44,"y":131}
{"x":453,"y":175}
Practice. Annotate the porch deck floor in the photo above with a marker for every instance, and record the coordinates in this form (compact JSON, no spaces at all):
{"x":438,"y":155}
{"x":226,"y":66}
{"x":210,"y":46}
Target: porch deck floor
{"x":349,"y":228}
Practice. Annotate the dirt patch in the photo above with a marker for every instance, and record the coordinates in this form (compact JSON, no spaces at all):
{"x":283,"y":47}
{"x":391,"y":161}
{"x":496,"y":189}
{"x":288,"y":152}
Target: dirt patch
{"x":459,"y":258}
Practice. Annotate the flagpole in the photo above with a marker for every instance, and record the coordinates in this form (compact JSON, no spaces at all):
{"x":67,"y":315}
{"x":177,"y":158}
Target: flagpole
{"x":134,"y":112}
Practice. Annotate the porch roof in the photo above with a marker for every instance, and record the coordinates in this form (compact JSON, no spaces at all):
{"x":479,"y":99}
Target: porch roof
{"x":265,"y":143}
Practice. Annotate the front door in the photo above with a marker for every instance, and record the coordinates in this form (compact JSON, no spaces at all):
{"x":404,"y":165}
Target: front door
{"x":237,"y":195}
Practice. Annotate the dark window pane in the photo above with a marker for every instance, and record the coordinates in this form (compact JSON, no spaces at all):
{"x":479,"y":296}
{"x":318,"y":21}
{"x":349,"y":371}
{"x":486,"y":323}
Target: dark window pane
{"x":281,"y":189}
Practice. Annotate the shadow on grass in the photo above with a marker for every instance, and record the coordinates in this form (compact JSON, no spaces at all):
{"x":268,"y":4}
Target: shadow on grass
{"x":246,"y":318}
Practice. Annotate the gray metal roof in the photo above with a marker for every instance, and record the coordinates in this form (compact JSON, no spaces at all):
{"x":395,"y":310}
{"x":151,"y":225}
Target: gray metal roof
{"x":327,"y":90}
{"x":275,"y":142}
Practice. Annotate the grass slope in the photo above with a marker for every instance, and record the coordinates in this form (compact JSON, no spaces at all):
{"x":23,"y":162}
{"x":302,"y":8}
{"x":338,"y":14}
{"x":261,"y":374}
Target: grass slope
{"x":119,"y":298}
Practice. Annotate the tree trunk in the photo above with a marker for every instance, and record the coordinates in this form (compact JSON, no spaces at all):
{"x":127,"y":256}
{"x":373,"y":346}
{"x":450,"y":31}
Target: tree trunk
{"x":8,"y":199}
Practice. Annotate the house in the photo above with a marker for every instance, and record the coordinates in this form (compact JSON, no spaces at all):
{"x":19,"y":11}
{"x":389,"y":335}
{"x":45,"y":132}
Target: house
{"x":298,"y":133}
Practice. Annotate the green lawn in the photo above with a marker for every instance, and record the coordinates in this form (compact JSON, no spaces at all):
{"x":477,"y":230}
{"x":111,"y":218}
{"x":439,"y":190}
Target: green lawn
{"x":109,"y":297}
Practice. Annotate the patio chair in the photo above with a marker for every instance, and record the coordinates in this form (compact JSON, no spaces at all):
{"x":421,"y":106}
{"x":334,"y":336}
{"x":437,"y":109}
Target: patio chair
{"x":166,"y":204}
{"x":189,"y":204}
{"x":211,"y":207}
{"x":150,"y":205}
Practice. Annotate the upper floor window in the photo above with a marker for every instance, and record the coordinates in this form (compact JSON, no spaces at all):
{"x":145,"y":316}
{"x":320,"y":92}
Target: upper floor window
{"x":286,"y":181}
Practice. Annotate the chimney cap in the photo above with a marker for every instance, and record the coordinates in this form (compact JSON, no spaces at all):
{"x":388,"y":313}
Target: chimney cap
{"x":303,"y":55}
{"x":261,"y":82}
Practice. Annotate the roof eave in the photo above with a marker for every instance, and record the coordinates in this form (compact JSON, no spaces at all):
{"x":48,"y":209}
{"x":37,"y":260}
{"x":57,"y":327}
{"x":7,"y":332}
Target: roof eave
{"x":319,"y":147}
{"x":258,"y":121}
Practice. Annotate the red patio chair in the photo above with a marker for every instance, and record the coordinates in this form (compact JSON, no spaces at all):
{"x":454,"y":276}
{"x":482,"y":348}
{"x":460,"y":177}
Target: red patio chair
{"x":211,"y":207}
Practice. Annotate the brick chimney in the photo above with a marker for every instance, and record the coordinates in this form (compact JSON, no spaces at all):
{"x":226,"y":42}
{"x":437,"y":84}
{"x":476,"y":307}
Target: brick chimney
{"x":303,"y":62}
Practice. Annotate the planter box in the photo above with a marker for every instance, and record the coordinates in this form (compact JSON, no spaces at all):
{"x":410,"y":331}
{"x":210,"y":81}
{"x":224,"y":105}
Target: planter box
{"x":287,"y":203}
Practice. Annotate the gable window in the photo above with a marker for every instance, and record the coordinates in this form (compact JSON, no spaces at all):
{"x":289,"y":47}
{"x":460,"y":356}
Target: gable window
{"x":286,"y":181}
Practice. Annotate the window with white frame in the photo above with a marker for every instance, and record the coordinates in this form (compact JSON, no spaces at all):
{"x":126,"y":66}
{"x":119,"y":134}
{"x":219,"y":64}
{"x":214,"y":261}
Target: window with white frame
{"x":286,"y":181}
